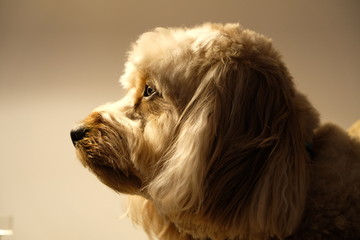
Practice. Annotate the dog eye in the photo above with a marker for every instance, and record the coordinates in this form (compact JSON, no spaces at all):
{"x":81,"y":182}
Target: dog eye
{"x":149,"y":91}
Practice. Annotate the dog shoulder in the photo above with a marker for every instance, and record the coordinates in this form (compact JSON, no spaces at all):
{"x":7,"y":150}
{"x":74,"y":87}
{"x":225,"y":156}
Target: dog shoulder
{"x":333,"y":204}
{"x":354,"y":130}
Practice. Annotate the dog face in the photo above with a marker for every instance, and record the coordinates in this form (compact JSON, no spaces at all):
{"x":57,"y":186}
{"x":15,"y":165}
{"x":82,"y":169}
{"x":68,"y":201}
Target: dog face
{"x":211,"y":129}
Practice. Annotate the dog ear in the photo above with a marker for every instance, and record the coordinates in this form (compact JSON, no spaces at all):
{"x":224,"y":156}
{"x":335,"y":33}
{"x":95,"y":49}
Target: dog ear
{"x":179,"y":186}
{"x":257,"y":177}
{"x":240,"y":157}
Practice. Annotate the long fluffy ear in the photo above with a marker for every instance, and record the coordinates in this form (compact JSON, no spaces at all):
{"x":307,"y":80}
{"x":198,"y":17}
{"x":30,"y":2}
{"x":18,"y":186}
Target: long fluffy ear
{"x":257,"y":178}
{"x":179,"y":186}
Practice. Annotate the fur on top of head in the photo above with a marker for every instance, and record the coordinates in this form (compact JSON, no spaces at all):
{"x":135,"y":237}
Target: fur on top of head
{"x":211,"y":134}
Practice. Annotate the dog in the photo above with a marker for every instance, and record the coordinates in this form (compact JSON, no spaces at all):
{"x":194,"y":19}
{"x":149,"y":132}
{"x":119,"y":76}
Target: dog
{"x":213,"y":141}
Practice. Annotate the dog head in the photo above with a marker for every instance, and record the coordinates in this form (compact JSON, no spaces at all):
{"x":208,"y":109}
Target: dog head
{"x":211,"y":129}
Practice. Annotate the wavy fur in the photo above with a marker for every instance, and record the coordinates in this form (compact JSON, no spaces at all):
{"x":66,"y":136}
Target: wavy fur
{"x":218,"y":151}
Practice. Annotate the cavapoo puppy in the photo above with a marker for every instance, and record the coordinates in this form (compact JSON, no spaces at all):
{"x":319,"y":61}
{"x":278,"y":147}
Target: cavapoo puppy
{"x":213,"y":141}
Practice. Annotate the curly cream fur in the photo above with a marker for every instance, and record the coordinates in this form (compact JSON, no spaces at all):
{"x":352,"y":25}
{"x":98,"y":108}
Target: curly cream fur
{"x":218,"y":151}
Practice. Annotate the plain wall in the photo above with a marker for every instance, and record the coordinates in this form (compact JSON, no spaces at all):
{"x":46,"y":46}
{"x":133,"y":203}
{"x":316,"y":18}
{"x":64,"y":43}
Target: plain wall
{"x":61,"y":59}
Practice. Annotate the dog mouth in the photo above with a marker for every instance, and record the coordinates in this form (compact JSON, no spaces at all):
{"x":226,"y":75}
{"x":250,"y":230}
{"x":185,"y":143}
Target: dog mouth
{"x":110,"y":163}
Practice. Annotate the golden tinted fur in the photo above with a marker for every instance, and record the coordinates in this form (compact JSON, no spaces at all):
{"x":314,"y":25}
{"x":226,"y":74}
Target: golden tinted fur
{"x":213,"y":141}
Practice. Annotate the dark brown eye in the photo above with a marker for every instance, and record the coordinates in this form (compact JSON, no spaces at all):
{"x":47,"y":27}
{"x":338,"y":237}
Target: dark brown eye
{"x":149,"y":91}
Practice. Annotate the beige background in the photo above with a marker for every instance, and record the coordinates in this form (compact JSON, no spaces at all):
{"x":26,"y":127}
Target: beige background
{"x":60,"y":59}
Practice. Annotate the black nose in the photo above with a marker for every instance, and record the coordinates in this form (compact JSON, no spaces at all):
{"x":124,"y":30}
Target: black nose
{"x":78,"y":133}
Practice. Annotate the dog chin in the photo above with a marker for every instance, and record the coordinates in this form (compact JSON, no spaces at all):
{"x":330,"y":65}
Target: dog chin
{"x":121,"y":179}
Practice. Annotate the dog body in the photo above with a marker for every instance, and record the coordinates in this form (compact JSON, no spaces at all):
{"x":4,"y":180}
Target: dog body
{"x":213,"y":141}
